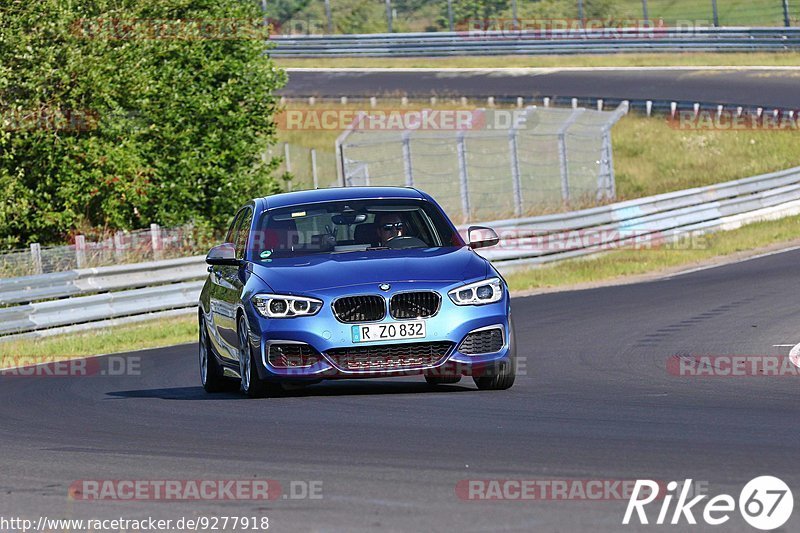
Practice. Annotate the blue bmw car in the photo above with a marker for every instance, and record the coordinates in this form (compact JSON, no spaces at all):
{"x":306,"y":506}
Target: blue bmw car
{"x":358,"y":282}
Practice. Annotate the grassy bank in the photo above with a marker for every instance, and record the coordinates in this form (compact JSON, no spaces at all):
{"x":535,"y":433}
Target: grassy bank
{"x":621,"y":263}
{"x":785,"y":59}
{"x":148,"y":334}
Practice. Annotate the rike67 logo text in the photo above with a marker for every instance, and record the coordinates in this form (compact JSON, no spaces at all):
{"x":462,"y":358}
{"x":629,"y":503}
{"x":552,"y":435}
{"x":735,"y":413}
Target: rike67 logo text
{"x":765,"y":503}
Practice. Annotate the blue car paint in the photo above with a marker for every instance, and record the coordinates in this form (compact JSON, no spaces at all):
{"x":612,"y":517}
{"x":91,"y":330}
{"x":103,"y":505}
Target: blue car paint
{"x":329,"y":276}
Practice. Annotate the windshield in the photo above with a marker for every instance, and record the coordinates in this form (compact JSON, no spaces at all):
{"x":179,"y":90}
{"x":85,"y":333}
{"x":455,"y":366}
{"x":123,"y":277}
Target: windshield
{"x":351,"y":226}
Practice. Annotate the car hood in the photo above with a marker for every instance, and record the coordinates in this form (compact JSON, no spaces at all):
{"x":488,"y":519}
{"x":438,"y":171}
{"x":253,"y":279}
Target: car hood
{"x":320,"y":272}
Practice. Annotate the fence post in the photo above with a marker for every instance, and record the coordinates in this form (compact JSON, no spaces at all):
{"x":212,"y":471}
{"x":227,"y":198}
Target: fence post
{"x":407,"y":166}
{"x":80,"y":251}
{"x":155,"y":240}
{"x":288,"y":160}
{"x":645,"y":14}
{"x":715,"y":13}
{"x":329,"y":16}
{"x":389,"y":15}
{"x":462,"y":175}
{"x":605,"y":181}
{"x":562,"y":153}
{"x":513,"y":148}
{"x":36,"y":257}
{"x":450,"y":15}
{"x":580,"y":12}
{"x":787,"y":20}
{"x":118,"y":245}
{"x":314,"y":175}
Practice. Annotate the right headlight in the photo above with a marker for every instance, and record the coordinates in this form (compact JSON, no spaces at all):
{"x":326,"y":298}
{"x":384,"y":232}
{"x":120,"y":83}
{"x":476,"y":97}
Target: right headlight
{"x":478,"y":293}
{"x":280,"y":306}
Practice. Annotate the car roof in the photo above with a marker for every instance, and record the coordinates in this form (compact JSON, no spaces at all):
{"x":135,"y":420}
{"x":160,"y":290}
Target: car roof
{"x":333,"y":194}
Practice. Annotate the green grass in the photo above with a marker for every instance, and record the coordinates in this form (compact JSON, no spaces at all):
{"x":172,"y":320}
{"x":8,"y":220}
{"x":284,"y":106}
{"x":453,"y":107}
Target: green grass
{"x":619,"y":264}
{"x":784,"y":59}
{"x":651,"y":157}
{"x":147,"y":334}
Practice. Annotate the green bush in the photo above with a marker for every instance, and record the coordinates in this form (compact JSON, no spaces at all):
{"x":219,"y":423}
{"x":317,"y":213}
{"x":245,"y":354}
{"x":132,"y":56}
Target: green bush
{"x":110,"y":127}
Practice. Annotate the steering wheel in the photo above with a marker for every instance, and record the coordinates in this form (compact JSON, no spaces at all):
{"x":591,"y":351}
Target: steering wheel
{"x":405,"y":241}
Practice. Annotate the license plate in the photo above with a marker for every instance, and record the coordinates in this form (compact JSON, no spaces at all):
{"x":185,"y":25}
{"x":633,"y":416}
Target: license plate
{"x":389,"y":331}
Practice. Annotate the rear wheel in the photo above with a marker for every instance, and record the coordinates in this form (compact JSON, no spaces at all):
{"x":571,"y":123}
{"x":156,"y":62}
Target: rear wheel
{"x":252,"y":385}
{"x":210,"y":371}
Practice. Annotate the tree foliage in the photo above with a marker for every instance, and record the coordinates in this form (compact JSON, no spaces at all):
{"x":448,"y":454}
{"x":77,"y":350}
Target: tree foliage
{"x":112,"y":126}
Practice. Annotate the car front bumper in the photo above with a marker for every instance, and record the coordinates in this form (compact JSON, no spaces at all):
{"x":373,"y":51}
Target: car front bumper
{"x":325,"y":335}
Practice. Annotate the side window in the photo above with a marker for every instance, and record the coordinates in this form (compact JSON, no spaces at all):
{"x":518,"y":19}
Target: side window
{"x":231,"y":235}
{"x":243,"y":231}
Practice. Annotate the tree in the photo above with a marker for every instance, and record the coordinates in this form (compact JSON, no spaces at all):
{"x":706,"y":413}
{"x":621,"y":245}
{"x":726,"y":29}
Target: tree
{"x":119,"y":113}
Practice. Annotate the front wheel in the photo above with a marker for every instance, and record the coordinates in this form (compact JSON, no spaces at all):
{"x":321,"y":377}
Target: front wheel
{"x":252,"y":385}
{"x":503,"y":377}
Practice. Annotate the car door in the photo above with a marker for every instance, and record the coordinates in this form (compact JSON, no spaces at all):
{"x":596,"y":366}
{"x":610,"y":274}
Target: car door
{"x":231,"y":283}
{"x":221,"y":310}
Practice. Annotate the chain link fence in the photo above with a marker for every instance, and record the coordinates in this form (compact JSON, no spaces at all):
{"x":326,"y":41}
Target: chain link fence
{"x":501,"y":164}
{"x":328,"y":17}
{"x":121,"y":247}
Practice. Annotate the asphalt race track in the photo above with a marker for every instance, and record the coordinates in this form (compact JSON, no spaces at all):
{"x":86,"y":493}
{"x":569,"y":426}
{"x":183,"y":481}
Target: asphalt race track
{"x":596,"y":403}
{"x":770,"y":88}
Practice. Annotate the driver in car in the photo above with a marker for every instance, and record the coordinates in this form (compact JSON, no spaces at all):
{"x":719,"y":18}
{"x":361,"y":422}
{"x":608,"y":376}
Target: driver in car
{"x":390,"y":225}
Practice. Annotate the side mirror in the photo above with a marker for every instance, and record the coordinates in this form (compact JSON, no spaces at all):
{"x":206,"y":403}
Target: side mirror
{"x":480,"y":237}
{"x":223,"y":255}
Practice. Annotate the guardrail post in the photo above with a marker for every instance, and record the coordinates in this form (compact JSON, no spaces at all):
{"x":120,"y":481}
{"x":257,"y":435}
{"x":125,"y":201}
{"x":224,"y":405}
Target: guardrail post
{"x":80,"y":251}
{"x":155,"y":240}
{"x":462,"y":175}
{"x":644,"y":11}
{"x":787,"y":20}
{"x":314,"y":176}
{"x":407,"y":164}
{"x":36,"y":257}
{"x":515,"y":174}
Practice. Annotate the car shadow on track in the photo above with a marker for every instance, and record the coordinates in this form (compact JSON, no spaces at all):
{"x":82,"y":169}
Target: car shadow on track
{"x":334,"y":388}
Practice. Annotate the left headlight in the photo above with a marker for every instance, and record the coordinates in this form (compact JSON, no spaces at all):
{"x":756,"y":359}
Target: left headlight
{"x":280,"y":306}
{"x":478,"y":293}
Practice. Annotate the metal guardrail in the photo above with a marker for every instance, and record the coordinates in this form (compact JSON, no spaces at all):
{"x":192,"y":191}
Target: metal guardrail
{"x":603,"y":41}
{"x":75,"y":300}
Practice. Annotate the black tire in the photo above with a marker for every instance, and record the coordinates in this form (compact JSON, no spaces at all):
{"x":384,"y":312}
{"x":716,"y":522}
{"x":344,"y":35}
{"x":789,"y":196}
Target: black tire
{"x":211,"y":376}
{"x":502,"y":377}
{"x":442,"y":380}
{"x":252,"y":385}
